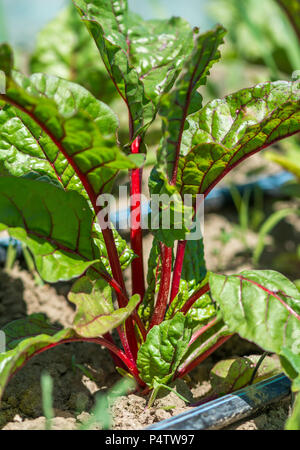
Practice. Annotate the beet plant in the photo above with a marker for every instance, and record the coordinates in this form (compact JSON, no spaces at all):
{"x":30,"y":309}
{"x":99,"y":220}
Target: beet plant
{"x":60,"y":147}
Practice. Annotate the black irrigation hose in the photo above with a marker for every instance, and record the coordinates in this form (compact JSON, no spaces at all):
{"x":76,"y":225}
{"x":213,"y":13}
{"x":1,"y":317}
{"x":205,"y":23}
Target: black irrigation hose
{"x":231,"y":408}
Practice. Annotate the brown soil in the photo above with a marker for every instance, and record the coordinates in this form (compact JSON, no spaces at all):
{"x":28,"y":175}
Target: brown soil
{"x":74,"y":392}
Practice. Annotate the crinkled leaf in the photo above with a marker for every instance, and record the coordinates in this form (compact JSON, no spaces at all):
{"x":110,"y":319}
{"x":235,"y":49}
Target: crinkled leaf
{"x":65,"y":49}
{"x":14,"y":359}
{"x":142,"y":57}
{"x":171,"y":218}
{"x":55,"y":127}
{"x":174,"y":109}
{"x":202,"y":311}
{"x":6,"y":59}
{"x":35,"y":213}
{"x":95,"y":314}
{"x":227,"y":131}
{"x":261,"y":306}
{"x":292,"y":9}
{"x":175,"y":106}
{"x":163,"y":350}
{"x":232,"y":374}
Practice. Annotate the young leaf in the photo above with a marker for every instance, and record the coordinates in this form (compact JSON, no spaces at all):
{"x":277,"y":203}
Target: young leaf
{"x":292,"y":9}
{"x":143,"y":58}
{"x":290,"y":361}
{"x":227,"y":131}
{"x":95,"y":314}
{"x":163,"y":350}
{"x":41,"y":338}
{"x":262,"y":306}
{"x":288,"y":162}
{"x":35,"y":213}
{"x":64,"y":49}
{"x":55,"y":127}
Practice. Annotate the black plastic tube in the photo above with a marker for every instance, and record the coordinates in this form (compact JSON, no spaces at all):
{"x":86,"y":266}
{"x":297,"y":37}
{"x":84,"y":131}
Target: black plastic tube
{"x":231,"y":408}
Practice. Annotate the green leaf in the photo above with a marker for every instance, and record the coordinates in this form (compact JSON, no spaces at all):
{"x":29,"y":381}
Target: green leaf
{"x":227,"y":131}
{"x":261,"y":306}
{"x":143,"y":58}
{"x":65,"y":49}
{"x":40,"y":337}
{"x":193,"y":269}
{"x":233,"y":374}
{"x":267,"y":227}
{"x":55,"y":127}
{"x":35,"y":213}
{"x":95,"y":314}
{"x":176,"y":105}
{"x":292,"y":9}
{"x":161,"y":353}
{"x":288,"y":162}
{"x":193,"y":276}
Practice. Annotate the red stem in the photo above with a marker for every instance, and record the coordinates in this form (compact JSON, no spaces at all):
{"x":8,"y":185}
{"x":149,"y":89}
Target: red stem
{"x":163,"y":294}
{"x":177,"y":269}
{"x":186,"y":369}
{"x":189,"y":303}
{"x":136,"y":236}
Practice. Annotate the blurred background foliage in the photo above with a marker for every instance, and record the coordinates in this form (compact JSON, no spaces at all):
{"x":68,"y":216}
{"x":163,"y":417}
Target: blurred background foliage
{"x":262,"y":44}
